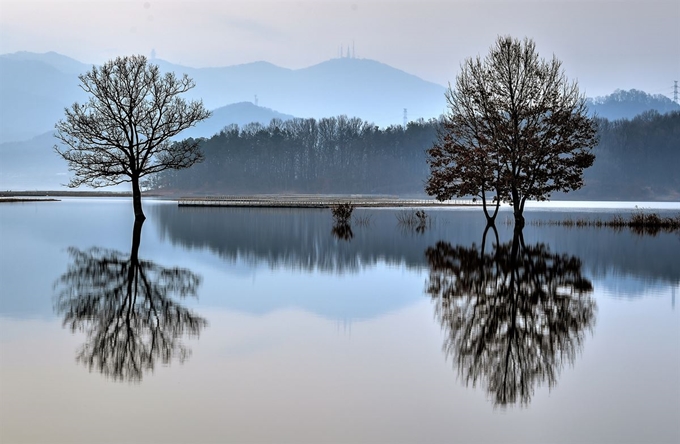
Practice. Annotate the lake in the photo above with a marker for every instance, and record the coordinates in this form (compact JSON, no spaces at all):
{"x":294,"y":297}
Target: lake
{"x":267,"y":325}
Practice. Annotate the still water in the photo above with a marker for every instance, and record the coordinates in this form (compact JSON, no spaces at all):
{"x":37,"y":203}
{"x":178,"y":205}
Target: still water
{"x":267,"y":325}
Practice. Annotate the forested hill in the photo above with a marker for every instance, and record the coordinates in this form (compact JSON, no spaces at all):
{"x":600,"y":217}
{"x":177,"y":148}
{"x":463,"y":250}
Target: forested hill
{"x":628,"y":104}
{"x":331,"y":155}
{"x":636,"y":159}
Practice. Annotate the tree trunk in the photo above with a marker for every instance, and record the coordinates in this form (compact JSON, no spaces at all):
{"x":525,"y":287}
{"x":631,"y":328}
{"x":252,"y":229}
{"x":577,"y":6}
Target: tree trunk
{"x":519,"y":220}
{"x":137,"y":199}
{"x":518,"y":209}
{"x":136,"y":239}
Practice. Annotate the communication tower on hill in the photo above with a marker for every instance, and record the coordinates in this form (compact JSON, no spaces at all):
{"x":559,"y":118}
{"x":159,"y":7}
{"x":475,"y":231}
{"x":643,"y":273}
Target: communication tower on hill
{"x":348,"y":53}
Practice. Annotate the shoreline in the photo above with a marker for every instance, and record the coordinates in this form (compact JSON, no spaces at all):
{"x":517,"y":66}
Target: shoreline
{"x":315,"y":201}
{"x":26,"y":199}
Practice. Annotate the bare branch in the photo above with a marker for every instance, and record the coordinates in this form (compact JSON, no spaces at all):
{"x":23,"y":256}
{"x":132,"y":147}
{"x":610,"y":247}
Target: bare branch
{"x":515,"y":125}
{"x":123,"y":132}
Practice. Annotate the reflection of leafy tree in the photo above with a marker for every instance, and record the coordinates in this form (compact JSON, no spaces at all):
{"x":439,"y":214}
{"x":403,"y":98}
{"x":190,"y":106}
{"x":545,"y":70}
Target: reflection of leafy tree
{"x":513,"y":317}
{"x":125,"y":306}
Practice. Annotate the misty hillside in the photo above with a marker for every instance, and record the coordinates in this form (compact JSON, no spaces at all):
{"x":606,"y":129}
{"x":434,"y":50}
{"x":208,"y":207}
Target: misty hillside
{"x":34,"y":92}
{"x":35,"y":89}
{"x":354,"y":87}
{"x":32,"y":164}
{"x":628,"y":104}
{"x":57,"y":61}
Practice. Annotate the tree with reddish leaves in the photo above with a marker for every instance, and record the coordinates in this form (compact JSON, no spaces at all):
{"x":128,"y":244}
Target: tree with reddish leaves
{"x":516,"y":129}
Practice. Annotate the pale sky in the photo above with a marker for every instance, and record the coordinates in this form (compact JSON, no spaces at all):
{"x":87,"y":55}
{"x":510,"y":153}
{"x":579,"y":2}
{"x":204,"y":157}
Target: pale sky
{"x":603,"y":44}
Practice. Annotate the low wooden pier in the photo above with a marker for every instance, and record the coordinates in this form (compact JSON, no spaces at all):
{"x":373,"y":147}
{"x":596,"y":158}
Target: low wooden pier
{"x":311,"y":201}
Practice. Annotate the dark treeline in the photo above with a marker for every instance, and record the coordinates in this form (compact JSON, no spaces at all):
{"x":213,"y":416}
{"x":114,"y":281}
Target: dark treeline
{"x":330,"y":155}
{"x":635,"y":159}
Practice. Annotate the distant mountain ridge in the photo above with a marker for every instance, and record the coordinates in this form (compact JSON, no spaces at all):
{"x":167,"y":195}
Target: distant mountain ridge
{"x":58,"y":61}
{"x":627,"y":104}
{"x":35,"y":88}
{"x":33,"y":95}
{"x":361,"y":88}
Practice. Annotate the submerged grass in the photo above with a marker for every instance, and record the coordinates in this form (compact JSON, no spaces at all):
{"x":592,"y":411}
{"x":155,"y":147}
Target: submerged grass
{"x":417,"y":220}
{"x":364,"y":220}
{"x":640,"y":222}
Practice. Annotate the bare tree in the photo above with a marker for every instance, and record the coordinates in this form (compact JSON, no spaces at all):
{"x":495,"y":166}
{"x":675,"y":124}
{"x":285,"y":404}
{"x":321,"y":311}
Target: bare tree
{"x":515,"y":127}
{"x":124,"y":131}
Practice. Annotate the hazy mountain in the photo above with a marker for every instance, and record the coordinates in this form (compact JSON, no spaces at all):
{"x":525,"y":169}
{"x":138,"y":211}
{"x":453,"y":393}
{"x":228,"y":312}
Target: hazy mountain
{"x":628,"y":104}
{"x":35,"y":88}
{"x":361,"y":88}
{"x":58,"y":61}
{"x":239,"y":114}
{"x":34,"y":93}
{"x":32,"y":165}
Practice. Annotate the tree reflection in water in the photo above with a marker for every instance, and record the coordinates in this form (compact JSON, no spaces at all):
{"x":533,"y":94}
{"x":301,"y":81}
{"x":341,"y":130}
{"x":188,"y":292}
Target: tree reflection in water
{"x":343,"y":231}
{"x":125,"y":306}
{"x":512,"y":317}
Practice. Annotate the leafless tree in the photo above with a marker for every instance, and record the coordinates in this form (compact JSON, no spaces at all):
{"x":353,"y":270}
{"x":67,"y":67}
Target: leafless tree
{"x":515,"y":129}
{"x":124,"y":131}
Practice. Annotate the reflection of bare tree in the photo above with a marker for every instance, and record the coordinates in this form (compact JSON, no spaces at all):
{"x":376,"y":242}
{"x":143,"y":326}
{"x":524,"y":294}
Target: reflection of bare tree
{"x":125,"y":306}
{"x":513,"y":317}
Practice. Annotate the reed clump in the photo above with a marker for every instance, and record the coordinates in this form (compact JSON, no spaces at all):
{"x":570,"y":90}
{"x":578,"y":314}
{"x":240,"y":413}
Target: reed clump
{"x":342,"y":213}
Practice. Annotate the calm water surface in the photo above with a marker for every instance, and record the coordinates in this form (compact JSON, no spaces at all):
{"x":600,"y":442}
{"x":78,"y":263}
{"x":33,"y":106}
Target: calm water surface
{"x":261,"y":325}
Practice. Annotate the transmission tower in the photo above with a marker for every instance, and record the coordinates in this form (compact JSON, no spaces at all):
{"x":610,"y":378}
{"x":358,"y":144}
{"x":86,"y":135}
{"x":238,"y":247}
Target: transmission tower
{"x":675,"y":92}
{"x":405,"y":117}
